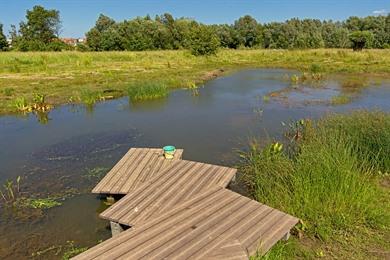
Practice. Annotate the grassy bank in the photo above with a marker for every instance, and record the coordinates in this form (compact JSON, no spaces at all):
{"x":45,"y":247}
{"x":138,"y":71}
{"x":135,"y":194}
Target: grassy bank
{"x":88,"y":77}
{"x":334,"y":176}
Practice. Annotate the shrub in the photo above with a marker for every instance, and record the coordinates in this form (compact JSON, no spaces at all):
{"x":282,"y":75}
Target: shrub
{"x":203,"y":41}
{"x":361,"y":39}
{"x":57,"y":46}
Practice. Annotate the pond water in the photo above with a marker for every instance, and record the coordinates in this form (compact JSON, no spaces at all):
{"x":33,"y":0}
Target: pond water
{"x":66,"y":156}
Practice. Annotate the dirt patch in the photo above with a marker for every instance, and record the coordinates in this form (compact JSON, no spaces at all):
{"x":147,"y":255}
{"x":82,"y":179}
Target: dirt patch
{"x":212,"y":74}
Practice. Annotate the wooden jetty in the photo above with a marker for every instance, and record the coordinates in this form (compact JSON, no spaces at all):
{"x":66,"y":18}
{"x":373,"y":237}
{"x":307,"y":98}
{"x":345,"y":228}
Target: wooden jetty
{"x":137,"y":166}
{"x":175,"y":185}
{"x":179,"y":209}
{"x":215,"y":223}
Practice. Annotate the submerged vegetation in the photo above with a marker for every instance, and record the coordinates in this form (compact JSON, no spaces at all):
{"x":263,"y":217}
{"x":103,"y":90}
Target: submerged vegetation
{"x":328,"y":177}
{"x":11,"y":196}
{"x":67,"y":251}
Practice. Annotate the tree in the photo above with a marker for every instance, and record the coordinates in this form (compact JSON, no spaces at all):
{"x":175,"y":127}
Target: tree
{"x":360,"y":39}
{"x":335,"y":35}
{"x":3,"y":40}
{"x":203,"y":41}
{"x":104,"y":23}
{"x":228,"y":36}
{"x":95,"y":35}
{"x":41,"y":25}
{"x":249,"y":31}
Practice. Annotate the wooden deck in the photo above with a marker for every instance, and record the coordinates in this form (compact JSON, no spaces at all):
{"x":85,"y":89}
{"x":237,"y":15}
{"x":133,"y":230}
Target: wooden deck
{"x":136,"y":167}
{"x":216,"y":224}
{"x":174,"y":185}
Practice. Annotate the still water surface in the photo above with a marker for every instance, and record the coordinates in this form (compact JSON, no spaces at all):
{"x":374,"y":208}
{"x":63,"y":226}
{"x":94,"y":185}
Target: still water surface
{"x":67,"y":155}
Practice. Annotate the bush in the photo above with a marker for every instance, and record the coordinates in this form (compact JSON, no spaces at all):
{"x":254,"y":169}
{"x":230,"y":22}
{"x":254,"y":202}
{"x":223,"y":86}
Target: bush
{"x":30,"y":45}
{"x":361,"y":39}
{"x":82,"y":47}
{"x":203,"y":41}
{"x":57,"y":46}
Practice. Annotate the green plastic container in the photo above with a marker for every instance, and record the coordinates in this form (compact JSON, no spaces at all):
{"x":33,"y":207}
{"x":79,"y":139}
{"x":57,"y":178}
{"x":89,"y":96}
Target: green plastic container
{"x":169,"y":151}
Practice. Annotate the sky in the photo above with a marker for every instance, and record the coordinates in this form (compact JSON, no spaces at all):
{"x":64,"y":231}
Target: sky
{"x":78,"y":16}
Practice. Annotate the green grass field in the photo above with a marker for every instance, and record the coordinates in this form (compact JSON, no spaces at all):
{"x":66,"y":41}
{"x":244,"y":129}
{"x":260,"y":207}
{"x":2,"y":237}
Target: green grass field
{"x":87,"y":77}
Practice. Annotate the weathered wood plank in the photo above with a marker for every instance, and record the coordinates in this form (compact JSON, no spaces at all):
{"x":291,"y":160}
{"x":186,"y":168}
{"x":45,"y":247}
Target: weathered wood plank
{"x":200,"y":228}
{"x":167,"y":190}
{"x":136,"y":167}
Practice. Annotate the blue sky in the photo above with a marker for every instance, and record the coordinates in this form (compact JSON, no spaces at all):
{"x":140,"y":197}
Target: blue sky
{"x":79,"y":15}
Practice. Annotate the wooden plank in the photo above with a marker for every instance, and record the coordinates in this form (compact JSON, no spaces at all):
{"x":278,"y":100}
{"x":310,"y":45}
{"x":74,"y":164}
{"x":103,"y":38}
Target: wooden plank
{"x":136,"y":167}
{"x":100,"y":186}
{"x":211,"y":224}
{"x":167,"y":190}
{"x":231,"y":250}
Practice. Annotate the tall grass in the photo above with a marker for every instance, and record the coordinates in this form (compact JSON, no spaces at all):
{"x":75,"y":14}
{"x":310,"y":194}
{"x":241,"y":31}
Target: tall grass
{"x":328,"y":177}
{"x":148,"y":90}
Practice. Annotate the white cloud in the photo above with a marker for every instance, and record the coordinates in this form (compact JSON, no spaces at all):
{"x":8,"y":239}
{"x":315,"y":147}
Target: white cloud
{"x":380,"y":12}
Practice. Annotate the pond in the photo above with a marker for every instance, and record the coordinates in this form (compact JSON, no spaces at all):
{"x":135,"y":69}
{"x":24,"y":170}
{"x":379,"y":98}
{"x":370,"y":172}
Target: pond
{"x":64,"y":155}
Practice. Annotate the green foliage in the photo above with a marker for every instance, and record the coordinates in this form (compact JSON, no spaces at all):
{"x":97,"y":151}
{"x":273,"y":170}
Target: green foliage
{"x":146,"y":91}
{"x":3,"y":40}
{"x":89,"y":97}
{"x":20,"y":104}
{"x":249,"y":31}
{"x":37,"y":203}
{"x":327,"y":177}
{"x":72,"y":250}
{"x":41,"y":25}
{"x":30,"y":45}
{"x":203,"y":41}
{"x":41,"y":29}
{"x":360,"y":40}
{"x":8,"y":91}
{"x":82,"y":47}
{"x":57,"y":46}
{"x":39,"y":32}
{"x":96,"y":173}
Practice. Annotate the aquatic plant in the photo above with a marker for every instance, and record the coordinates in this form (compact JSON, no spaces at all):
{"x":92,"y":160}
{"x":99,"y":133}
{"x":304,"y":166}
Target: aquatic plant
{"x":21,"y":105}
{"x":37,"y":203}
{"x":315,"y":68}
{"x":89,"y":97}
{"x":72,"y":250}
{"x":40,"y":104}
{"x":10,"y":191}
{"x":294,"y":79}
{"x":39,"y":98}
{"x":96,"y":172}
{"x":353,"y":84}
{"x":266,"y":98}
{"x":340,"y":99}
{"x":327,"y":176}
{"x":145,"y":91}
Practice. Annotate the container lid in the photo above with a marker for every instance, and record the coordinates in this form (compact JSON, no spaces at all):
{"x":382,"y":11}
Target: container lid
{"x":169,"y":148}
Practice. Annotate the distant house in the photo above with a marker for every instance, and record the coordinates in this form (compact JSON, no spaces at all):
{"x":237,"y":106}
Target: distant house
{"x":73,"y":41}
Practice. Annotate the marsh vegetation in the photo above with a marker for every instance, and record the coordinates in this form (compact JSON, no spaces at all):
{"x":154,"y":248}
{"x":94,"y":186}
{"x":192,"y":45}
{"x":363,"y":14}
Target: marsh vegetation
{"x":71,"y":77}
{"x":329,"y":174}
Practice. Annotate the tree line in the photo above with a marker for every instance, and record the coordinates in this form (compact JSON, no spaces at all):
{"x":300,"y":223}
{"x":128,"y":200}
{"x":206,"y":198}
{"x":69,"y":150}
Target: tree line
{"x":41,"y":30}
